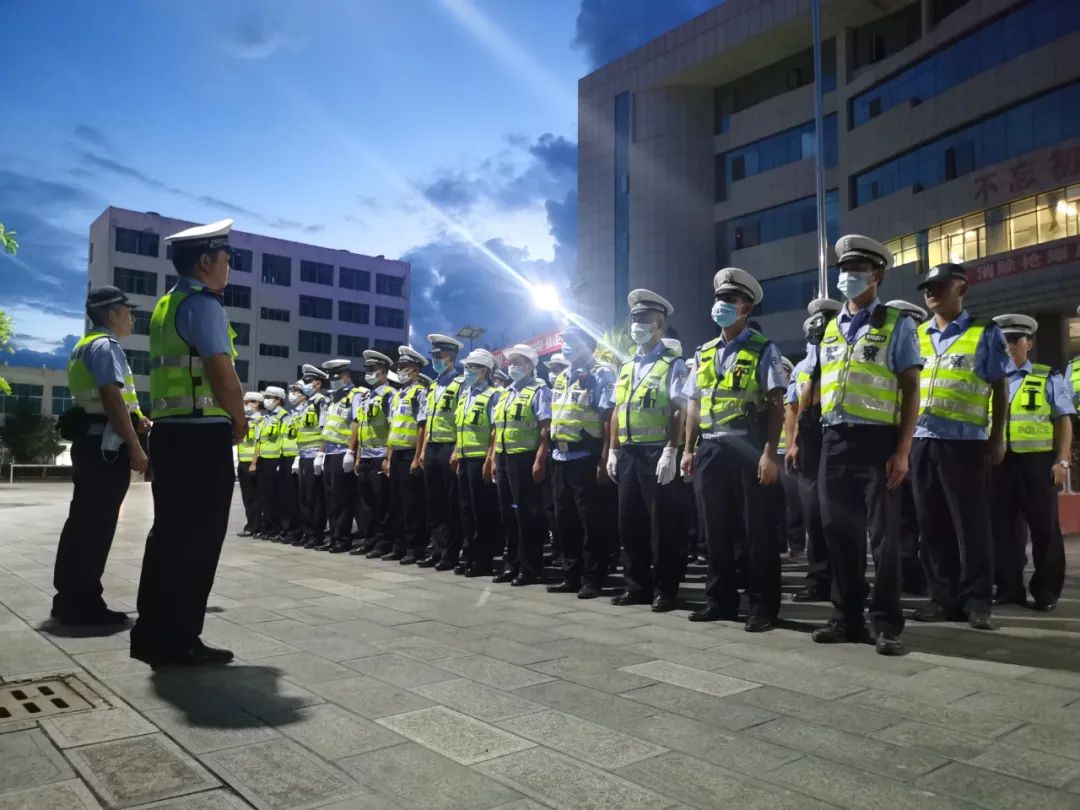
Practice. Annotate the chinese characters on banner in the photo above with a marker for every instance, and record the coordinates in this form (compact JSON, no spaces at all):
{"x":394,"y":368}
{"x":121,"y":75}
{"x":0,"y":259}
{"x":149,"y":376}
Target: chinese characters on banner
{"x":1039,"y":258}
{"x":1058,"y":166}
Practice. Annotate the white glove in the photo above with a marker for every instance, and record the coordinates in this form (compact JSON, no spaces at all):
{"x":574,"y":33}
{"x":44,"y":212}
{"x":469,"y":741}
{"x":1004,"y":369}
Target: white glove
{"x":667,"y":468}
{"x":296,"y":466}
{"x":348,"y":462}
{"x":612,"y":463}
{"x":320,"y":459}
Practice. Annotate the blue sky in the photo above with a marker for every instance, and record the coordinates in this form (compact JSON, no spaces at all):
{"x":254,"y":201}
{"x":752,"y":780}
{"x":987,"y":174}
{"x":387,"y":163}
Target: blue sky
{"x":418,"y":129}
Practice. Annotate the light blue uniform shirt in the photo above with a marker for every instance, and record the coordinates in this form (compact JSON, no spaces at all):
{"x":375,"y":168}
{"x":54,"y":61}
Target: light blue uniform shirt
{"x":384,"y":392}
{"x":992,"y":363}
{"x":1057,"y":392}
{"x":106,"y":360}
{"x":770,"y":376}
{"x":791,"y":395}
{"x":601,"y":397}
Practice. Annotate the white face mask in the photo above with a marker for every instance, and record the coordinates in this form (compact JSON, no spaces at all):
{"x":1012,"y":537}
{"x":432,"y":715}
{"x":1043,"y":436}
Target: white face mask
{"x":371,"y":379}
{"x":269,"y":404}
{"x":641,"y":333}
{"x":337,"y":385}
{"x":852,"y":285}
{"x":249,"y":411}
{"x":294,"y":398}
{"x":517,"y":371}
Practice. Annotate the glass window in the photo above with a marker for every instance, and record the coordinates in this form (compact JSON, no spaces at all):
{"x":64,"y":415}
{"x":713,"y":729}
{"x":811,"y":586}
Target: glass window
{"x":142,"y":243}
{"x":353,"y":346}
{"x":389,"y":285}
{"x":316,"y":342}
{"x":241,"y":370}
{"x":237,"y":295}
{"x":142,"y":322}
{"x":387,"y":347}
{"x":139,"y":361}
{"x":353,"y":312}
{"x":350,"y":279}
{"x":781,"y":222}
{"x":789,"y":146}
{"x":316,"y":272}
{"x":61,"y":399}
{"x":273,"y":350}
{"x":23,"y":397}
{"x":136,"y":282}
{"x":276,"y":270}
{"x":390,"y":317}
{"x":271,"y":314}
{"x":243,"y":333}
{"x":314,"y":307}
{"x":241,"y":260}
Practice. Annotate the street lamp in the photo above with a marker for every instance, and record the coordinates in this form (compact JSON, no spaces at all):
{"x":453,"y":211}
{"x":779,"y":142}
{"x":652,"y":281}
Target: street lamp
{"x":471,"y":333}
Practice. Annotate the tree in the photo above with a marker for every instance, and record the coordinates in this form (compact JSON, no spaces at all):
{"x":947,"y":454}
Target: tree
{"x":7,"y":326}
{"x":31,"y":437}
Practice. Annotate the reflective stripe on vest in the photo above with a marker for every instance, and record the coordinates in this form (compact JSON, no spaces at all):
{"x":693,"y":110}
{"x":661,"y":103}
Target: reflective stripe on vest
{"x":1030,"y":428}
{"x":856,"y":380}
{"x":1074,"y":382}
{"x":644,"y":409}
{"x":374,"y":420}
{"x":290,"y":445}
{"x":81,"y":383}
{"x":724,"y":399}
{"x":178,"y":386}
{"x":572,"y":417}
{"x":272,"y":437}
{"x":245,"y":451}
{"x":950,"y":388}
{"x":338,"y":426}
{"x":309,"y":431}
{"x":474,"y":424}
{"x":517,"y":430}
{"x":404,"y":429}
{"x":442,"y":412}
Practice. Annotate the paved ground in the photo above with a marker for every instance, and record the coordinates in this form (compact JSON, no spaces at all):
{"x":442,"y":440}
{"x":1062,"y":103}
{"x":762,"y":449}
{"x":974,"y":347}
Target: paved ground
{"x":361,"y":684}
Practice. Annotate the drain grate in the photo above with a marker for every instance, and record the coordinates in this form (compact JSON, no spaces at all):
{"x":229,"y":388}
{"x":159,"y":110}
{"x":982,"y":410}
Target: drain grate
{"x":36,"y":699}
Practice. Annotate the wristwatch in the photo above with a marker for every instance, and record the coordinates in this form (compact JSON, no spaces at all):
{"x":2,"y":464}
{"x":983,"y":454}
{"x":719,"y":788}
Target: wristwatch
{"x":1066,"y":464}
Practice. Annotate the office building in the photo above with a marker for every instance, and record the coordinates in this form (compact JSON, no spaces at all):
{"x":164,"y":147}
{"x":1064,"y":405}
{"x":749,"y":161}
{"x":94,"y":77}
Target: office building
{"x":289,"y":303}
{"x":952,"y":132}
{"x":38,"y":390}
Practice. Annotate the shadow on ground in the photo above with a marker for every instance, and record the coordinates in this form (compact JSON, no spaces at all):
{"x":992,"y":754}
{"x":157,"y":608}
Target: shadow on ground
{"x":233,"y":696}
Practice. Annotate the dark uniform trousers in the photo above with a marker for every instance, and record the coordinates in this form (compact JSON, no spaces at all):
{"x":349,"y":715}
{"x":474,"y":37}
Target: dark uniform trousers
{"x":270,"y":505}
{"x":373,"y":495}
{"x":654,"y":547}
{"x":521,"y":503}
{"x":952,"y":488}
{"x":443,"y":503}
{"x":406,"y":523}
{"x":288,"y":495}
{"x":100,"y":487}
{"x":548,"y":492}
{"x":480,"y":525}
{"x":912,"y":578}
{"x":193,"y":487}
{"x":734,"y":506}
{"x":578,"y":513}
{"x":312,"y":500}
{"x":340,"y":489}
{"x":793,"y":530}
{"x":249,"y":493}
{"x":855,"y":500}
{"x":1023,"y":488}
{"x":818,"y":571}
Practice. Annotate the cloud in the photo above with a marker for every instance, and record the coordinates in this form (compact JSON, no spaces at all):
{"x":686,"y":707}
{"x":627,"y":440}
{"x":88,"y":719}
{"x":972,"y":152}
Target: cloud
{"x":48,"y":353}
{"x":454,"y":193}
{"x":557,"y":154}
{"x":608,"y":29}
{"x":562,"y":224}
{"x":22,"y":191}
{"x":93,"y":137}
{"x":253,"y":37}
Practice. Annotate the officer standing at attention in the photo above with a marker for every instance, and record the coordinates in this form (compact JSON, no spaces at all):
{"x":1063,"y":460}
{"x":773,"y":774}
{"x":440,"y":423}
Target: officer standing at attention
{"x":792,"y":530}
{"x":475,"y":461}
{"x":268,"y":450}
{"x":289,"y":469}
{"x":1038,"y":442}
{"x":646,"y":428}
{"x":869,"y":368}
{"x":582,"y":400}
{"x":310,"y":419}
{"x":245,"y":455}
{"x":440,"y":480}
{"x":736,"y":407}
{"x":556,"y":365}
{"x":336,"y":462}
{"x":408,"y":417}
{"x":104,"y":427}
{"x":371,"y":417}
{"x":198,"y":411}
{"x":964,"y":388}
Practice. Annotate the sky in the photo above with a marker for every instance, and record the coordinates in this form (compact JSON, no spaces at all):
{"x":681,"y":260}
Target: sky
{"x":441,"y":132}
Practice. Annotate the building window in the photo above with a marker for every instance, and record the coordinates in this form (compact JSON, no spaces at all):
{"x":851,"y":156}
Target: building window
{"x":353,"y":312}
{"x":885,"y":36}
{"x":389,"y":285}
{"x":387,"y":347}
{"x":237,"y":295}
{"x":241,"y":370}
{"x":350,"y":279}
{"x":772,"y":224}
{"x":243,"y":333}
{"x":276,"y":270}
{"x":23,"y":397}
{"x":136,"y":282}
{"x":313,"y":307}
{"x":786,"y":293}
{"x":390,"y":317}
{"x":315,"y":342}
{"x":141,"y":243}
{"x":273,"y":350}
{"x":352,"y":346}
{"x":241,"y":260}
{"x":139,"y":361}
{"x":271,"y":314}
{"x":142,"y":322}
{"x":316,"y":273}
{"x":61,"y":399}
{"x":789,"y":146}
{"x":623,"y":125}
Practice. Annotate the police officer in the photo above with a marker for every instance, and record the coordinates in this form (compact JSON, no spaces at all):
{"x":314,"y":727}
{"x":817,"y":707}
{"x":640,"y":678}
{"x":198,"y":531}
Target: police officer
{"x":499,"y":378}
{"x":336,"y":461}
{"x":440,"y":480}
{"x":582,"y":400}
{"x":791,"y":530}
{"x":198,"y":411}
{"x":104,"y":427}
{"x":520,"y":445}
{"x":643,"y":458}
{"x":474,"y":460}
{"x":289,"y":469}
{"x":266,"y":464}
{"x":408,"y":416}
{"x":310,"y":417}
{"x":556,"y":365}
{"x":1038,"y":442}
{"x":869,"y":368}
{"x":371,"y":415}
{"x":736,"y":408}
{"x":245,"y":455}
{"x":963,"y":389}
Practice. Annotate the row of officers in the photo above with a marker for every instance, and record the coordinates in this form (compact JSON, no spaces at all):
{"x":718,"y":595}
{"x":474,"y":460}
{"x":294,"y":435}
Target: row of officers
{"x":894,"y":431}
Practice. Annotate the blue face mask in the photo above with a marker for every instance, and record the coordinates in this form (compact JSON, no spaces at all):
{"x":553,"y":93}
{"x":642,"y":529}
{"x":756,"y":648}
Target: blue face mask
{"x":724,"y":314}
{"x":852,"y":285}
{"x":440,"y":365}
{"x":569,"y":352}
{"x":472,"y":377}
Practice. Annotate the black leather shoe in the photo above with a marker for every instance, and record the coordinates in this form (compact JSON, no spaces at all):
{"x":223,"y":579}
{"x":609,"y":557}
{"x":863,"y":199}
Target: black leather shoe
{"x":980,"y":619}
{"x":375,"y":554}
{"x":759,"y":624}
{"x":631,"y":598}
{"x":430,"y":562}
{"x":521,"y":580}
{"x":1044,"y":604}
{"x":475,"y":570}
{"x":663,"y":603}
{"x":326,"y":545}
{"x":506,"y":576}
{"x":713,"y":613}
{"x":313,"y":542}
{"x":931,"y":612}
{"x":93,"y":617}
{"x":588,"y":591}
{"x":889,"y":644}
{"x":340,"y":548}
{"x":245,"y":533}
{"x":359,"y":551}
{"x":395,"y":556}
{"x":198,"y":654}
{"x":408,"y":559}
{"x":809,"y":594}
{"x":564,"y":587}
{"x":1002,"y":597}
{"x":445,"y":565}
{"x":462,"y":569}
{"x":836,"y":633}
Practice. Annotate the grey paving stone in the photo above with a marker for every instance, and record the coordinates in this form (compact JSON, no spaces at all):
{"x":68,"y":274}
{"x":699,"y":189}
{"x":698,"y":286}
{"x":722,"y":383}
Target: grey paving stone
{"x":700,"y":639}
{"x":848,"y":749}
{"x":588,"y":742}
{"x":941,"y":692}
{"x":416,"y":777}
{"x":139,"y":770}
{"x":27,"y":653}
{"x":1054,"y":677}
{"x":361,"y":630}
{"x":699,"y":680}
{"x":810,"y":682}
{"x":980,"y":725}
{"x":63,"y":796}
{"x":334,"y":648}
{"x":512,"y":652}
{"x":456,"y":736}
{"x":591,"y":704}
{"x":1046,"y":738}
{"x":597,"y":654}
{"x":28,"y":759}
{"x":279,"y":774}
{"x":1009,"y":687}
{"x":287,"y":630}
{"x":333,"y":733}
{"x":493,"y":672}
{"x":562,"y":782}
{"x":211,"y":725}
{"x":981,"y":702}
{"x":856,"y":719}
{"x":307,"y":669}
{"x":592,"y":635}
{"x":477,"y":700}
{"x":421,"y":648}
{"x":83,"y":728}
{"x":398,"y":670}
{"x":245,"y":614}
{"x":362,"y":799}
{"x":710,"y":659}
{"x":246,"y":642}
{"x":1024,"y":763}
{"x":257,"y":690}
{"x":596,"y":676}
{"x":370,"y":698}
{"x":211,"y":800}
{"x":994,"y":791}
{"x":107,"y":664}
{"x":938,"y":739}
